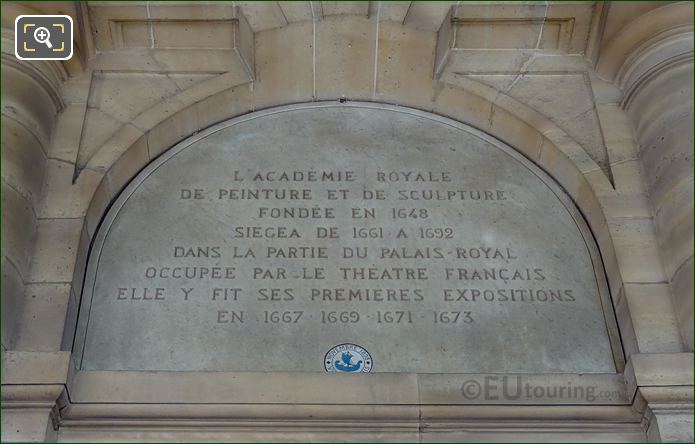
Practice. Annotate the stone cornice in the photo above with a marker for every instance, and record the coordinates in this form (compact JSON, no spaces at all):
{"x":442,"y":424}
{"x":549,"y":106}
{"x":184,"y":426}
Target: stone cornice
{"x":663,"y":385}
{"x":34,"y":382}
{"x":659,"y":370}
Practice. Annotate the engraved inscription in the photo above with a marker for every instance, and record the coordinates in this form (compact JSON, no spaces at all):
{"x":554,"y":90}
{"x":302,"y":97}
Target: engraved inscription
{"x":260,"y":246}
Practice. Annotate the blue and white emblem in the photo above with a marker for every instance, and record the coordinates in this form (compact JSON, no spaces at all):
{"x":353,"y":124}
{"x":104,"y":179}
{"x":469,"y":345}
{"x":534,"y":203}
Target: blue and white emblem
{"x":348,"y":358}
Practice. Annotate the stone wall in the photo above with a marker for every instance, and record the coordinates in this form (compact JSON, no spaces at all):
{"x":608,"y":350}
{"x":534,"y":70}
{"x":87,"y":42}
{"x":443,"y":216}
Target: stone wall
{"x":588,"y":98}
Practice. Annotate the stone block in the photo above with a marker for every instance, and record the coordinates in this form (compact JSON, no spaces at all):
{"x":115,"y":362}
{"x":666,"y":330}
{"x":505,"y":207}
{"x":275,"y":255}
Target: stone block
{"x":175,"y":11}
{"x":653,"y":318}
{"x":263,"y":15}
{"x":98,"y":128}
{"x":12,"y":303}
{"x":177,"y":60}
{"x":197,"y":87}
{"x":499,"y":34}
{"x":115,"y":147}
{"x":578,"y":32}
{"x":516,"y":389}
{"x":26,"y":425}
{"x":244,"y":40}
{"x":229,"y":103}
{"x":23,"y":160}
{"x":660,"y":369}
{"x":480,"y":62}
{"x":134,"y":34}
{"x":171,"y":131}
{"x":83,"y":252}
{"x":628,"y":199}
{"x":682,"y":286}
{"x":591,"y":204}
{"x":674,"y":222}
{"x":18,"y":228}
{"x":404,"y":65}
{"x":299,"y":11}
{"x":636,"y":250}
{"x":68,"y":336}
{"x":65,"y":141}
{"x":201,"y":34}
{"x":55,"y":252}
{"x":76,"y":89}
{"x":628,"y":335}
{"x":157,"y":113}
{"x":28,"y":101}
{"x":580,"y":185}
{"x":517,"y":133}
{"x":100,"y":201}
{"x":618,"y":133}
{"x":668,"y":159}
{"x":389,"y":11}
{"x":61,"y":197}
{"x":31,"y":367}
{"x":569,"y":147}
{"x":675,"y":206}
{"x":345,"y":8}
{"x":128,"y":165}
{"x":573,"y":110}
{"x":345,"y":58}
{"x":245,"y":387}
{"x":427,"y":16}
{"x":284,"y":66}
{"x":604,"y":239}
{"x":102,"y":15}
{"x":123,"y":96}
{"x":672,"y":426}
{"x":43,"y":318}
{"x":464,"y":106}
{"x":605,"y":93}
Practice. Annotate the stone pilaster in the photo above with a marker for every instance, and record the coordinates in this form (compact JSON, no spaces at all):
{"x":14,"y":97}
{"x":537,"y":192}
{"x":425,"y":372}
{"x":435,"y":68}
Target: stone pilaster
{"x":657,"y":82}
{"x":661,"y":109}
{"x":663,"y":383}
{"x":651,"y":60}
{"x":31,"y":382}
{"x":30,"y":101}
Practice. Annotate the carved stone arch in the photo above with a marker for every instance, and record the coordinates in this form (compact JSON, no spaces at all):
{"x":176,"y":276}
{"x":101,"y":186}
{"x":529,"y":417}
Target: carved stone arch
{"x":547,"y":147}
{"x":597,"y":96}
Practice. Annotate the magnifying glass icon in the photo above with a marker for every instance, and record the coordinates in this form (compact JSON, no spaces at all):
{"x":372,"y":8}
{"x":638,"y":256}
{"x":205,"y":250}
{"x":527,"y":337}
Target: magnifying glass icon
{"x":42,"y":35}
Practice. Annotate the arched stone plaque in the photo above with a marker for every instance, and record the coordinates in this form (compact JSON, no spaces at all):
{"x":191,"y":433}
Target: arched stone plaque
{"x":282,"y":240}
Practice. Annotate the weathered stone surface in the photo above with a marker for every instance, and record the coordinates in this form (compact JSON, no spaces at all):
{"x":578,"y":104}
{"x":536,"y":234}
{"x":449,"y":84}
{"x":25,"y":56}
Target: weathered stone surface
{"x":55,"y":250}
{"x":284,"y":66}
{"x":61,"y":197}
{"x":345,"y":58}
{"x":448,"y":285}
{"x":43,"y":318}
{"x":18,"y":228}
{"x":573,"y":110}
{"x":12,"y":299}
{"x":23,"y":160}
{"x":642,"y":50}
{"x":412,"y":85}
{"x":653,"y":315}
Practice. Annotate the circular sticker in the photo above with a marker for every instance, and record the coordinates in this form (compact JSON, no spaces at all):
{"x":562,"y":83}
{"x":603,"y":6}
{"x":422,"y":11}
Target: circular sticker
{"x":348,"y":358}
